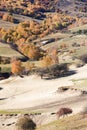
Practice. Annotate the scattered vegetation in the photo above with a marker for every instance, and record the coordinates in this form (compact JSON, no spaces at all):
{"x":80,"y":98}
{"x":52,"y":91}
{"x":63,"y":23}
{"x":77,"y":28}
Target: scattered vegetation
{"x":53,"y":71}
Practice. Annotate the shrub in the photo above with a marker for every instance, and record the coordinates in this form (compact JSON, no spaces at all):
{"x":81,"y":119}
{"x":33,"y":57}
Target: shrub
{"x":25,"y":123}
{"x":84,"y":58}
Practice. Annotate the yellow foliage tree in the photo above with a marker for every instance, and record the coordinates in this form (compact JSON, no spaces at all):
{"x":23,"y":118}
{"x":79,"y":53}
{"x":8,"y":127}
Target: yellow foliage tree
{"x":46,"y":61}
{"x":34,"y":52}
{"x":16,"y":67}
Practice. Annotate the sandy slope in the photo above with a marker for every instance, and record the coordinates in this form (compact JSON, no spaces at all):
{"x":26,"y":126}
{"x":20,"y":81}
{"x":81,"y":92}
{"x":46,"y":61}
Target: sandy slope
{"x":32,"y":91}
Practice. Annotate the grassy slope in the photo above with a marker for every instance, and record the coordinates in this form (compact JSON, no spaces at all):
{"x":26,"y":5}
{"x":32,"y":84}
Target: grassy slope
{"x":76,"y":122}
{"x":6,"y":51}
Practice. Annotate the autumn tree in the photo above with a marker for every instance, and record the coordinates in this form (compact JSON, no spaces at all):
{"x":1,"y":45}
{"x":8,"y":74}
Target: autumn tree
{"x":46,"y":61}
{"x":8,"y":17}
{"x":17,"y":67}
{"x":53,"y":53}
{"x":34,"y":52}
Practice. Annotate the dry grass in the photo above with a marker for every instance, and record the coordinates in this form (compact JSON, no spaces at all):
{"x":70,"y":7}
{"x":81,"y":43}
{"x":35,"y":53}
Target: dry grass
{"x":76,"y":122}
{"x":6,"y":51}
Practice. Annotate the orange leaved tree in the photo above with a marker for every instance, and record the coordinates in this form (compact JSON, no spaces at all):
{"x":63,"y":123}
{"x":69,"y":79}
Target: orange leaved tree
{"x":46,"y":61}
{"x":34,"y":52}
{"x":16,"y":67}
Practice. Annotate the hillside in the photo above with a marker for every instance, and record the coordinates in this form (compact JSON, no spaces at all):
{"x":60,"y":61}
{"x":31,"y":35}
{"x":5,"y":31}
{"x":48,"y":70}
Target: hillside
{"x":76,"y":122}
{"x":36,"y":8}
{"x":43,"y":63}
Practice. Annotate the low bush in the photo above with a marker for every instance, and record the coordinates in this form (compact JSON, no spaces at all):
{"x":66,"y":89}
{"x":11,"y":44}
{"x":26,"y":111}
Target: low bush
{"x":25,"y":123}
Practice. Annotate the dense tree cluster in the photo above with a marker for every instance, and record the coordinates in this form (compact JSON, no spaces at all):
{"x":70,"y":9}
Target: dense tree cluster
{"x":26,"y":32}
{"x":23,"y":7}
{"x":31,"y":30}
{"x":31,"y":51}
{"x":8,"y":17}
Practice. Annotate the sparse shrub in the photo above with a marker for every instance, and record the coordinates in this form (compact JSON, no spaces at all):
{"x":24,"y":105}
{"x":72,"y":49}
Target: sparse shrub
{"x":84,"y":58}
{"x":79,"y":32}
{"x":4,"y":60}
{"x":25,"y":123}
{"x":84,"y":31}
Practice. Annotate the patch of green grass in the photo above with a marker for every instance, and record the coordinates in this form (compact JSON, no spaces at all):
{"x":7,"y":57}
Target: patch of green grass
{"x":5,"y":67}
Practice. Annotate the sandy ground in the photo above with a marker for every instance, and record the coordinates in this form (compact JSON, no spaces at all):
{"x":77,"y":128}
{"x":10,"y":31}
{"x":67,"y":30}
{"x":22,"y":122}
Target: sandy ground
{"x":34,"y":93}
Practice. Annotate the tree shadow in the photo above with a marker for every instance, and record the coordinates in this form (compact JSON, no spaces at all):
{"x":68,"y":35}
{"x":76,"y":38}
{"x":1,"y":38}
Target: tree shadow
{"x":68,"y":73}
{"x":1,"y":88}
{"x":4,"y":75}
{"x":3,"y":98}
